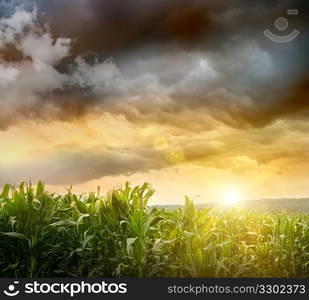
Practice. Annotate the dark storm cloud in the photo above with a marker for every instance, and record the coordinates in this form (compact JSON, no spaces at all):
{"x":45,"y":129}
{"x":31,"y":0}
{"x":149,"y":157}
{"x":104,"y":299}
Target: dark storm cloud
{"x":168,"y":57}
{"x":110,"y":28}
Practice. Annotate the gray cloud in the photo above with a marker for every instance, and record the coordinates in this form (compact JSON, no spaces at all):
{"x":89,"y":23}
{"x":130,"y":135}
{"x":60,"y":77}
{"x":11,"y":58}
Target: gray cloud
{"x":67,"y":167}
{"x":239,"y":80}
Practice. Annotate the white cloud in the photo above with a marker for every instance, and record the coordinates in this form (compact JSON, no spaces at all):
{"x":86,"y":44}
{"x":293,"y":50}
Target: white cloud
{"x":38,"y":77}
{"x":23,"y":30}
{"x":44,"y":48}
{"x":14,"y":25}
{"x":101,"y":77}
{"x":7,"y":75}
{"x":21,"y":82}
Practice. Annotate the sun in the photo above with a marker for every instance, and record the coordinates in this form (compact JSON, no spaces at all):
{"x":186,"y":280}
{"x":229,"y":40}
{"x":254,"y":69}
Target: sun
{"x":231,"y":198}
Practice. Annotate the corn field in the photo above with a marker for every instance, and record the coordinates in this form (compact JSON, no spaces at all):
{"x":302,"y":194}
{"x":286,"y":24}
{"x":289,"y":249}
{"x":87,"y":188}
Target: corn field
{"x":119,"y":235}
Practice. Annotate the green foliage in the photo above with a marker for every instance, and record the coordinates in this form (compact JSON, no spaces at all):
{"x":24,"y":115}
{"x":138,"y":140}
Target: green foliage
{"x":118,"y":235}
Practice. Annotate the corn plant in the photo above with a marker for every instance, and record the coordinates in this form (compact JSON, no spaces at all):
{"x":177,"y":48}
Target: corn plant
{"x":119,"y":235}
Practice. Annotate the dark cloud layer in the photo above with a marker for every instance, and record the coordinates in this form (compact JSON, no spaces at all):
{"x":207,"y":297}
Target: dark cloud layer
{"x":111,"y":27}
{"x":167,"y":57}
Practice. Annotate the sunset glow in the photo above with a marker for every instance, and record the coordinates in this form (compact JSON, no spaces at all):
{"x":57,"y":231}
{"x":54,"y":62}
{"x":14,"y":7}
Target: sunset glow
{"x":231,"y":198}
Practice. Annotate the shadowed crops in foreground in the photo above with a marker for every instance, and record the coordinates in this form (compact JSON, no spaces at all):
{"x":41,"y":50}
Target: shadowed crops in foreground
{"x":117,"y":235}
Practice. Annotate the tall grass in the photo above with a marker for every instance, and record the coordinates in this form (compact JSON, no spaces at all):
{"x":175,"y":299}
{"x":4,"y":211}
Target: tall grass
{"x":118,"y":235}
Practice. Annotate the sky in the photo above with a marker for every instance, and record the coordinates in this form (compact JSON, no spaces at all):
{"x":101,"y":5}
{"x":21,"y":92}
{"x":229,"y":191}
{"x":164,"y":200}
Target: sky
{"x":188,"y":95}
